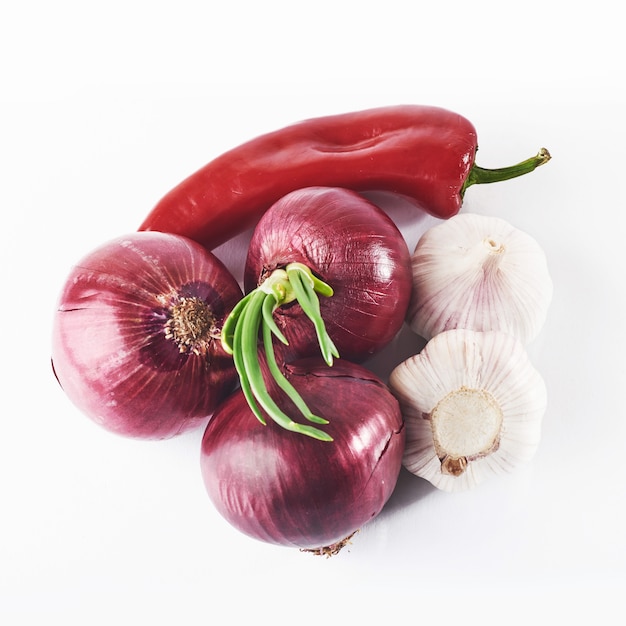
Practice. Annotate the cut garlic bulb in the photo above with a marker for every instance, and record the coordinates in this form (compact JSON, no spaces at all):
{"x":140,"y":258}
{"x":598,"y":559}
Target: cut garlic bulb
{"x":481,"y":273}
{"x":473,"y":405}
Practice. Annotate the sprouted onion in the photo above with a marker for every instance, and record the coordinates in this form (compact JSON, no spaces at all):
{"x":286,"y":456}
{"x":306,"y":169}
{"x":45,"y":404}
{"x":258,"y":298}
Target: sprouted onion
{"x":316,"y":242}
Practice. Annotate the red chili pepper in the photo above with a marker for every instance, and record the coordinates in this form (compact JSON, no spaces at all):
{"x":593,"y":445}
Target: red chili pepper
{"x":423,"y":153}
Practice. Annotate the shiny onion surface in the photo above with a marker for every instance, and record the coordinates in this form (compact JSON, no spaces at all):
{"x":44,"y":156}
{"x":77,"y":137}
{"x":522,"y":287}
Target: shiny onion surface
{"x":289,"y":489}
{"x":350,"y":244}
{"x":136,"y":335}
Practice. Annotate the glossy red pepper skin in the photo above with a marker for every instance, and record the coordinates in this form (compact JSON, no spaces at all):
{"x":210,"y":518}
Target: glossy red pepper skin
{"x":424,"y":153}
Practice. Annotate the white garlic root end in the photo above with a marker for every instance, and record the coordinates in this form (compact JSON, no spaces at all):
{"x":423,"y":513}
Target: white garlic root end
{"x":466,"y":426}
{"x":473,"y":405}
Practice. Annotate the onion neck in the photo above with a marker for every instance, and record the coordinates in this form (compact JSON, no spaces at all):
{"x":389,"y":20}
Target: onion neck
{"x":254,"y":315}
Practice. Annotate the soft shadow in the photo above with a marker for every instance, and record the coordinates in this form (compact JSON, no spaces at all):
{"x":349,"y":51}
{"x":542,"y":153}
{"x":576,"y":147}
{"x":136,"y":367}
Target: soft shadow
{"x":403,"y":211}
{"x":404,"y":345}
{"x":409,"y":490}
{"x":412,"y":220}
{"x":233,"y":254}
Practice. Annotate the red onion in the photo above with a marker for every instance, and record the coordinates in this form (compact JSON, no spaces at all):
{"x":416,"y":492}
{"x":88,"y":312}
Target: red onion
{"x":283,"y":488}
{"x":350,"y":244}
{"x":136,"y":338}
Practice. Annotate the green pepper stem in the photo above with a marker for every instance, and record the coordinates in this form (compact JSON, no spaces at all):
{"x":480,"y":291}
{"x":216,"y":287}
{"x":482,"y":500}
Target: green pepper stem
{"x":480,"y":175}
{"x":240,"y":338}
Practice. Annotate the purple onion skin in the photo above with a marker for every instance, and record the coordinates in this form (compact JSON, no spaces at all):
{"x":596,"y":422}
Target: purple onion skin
{"x":352,"y":245}
{"x":288,"y":489}
{"x":109,"y":349}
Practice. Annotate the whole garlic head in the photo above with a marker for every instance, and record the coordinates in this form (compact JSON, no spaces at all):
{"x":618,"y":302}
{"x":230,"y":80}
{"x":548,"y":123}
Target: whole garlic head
{"x":473,"y":405}
{"x":480,"y":273}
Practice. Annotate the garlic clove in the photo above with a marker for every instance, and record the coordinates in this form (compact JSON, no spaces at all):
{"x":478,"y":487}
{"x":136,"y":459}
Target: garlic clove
{"x":481,"y":273}
{"x":473,"y":405}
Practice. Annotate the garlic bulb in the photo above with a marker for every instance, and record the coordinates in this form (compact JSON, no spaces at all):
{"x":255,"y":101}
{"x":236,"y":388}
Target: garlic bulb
{"x":473,"y":405}
{"x":480,"y":273}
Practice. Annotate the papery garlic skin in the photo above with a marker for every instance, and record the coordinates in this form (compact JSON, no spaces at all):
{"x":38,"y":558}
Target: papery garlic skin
{"x":481,"y":273}
{"x":473,"y":404}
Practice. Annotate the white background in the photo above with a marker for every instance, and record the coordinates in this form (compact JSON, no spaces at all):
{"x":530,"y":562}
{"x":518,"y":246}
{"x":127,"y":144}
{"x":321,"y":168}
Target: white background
{"x":105,"y":106}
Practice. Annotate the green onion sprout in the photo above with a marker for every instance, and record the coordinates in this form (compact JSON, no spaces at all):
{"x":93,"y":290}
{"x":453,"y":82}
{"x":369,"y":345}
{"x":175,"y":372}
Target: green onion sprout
{"x":253,"y":315}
